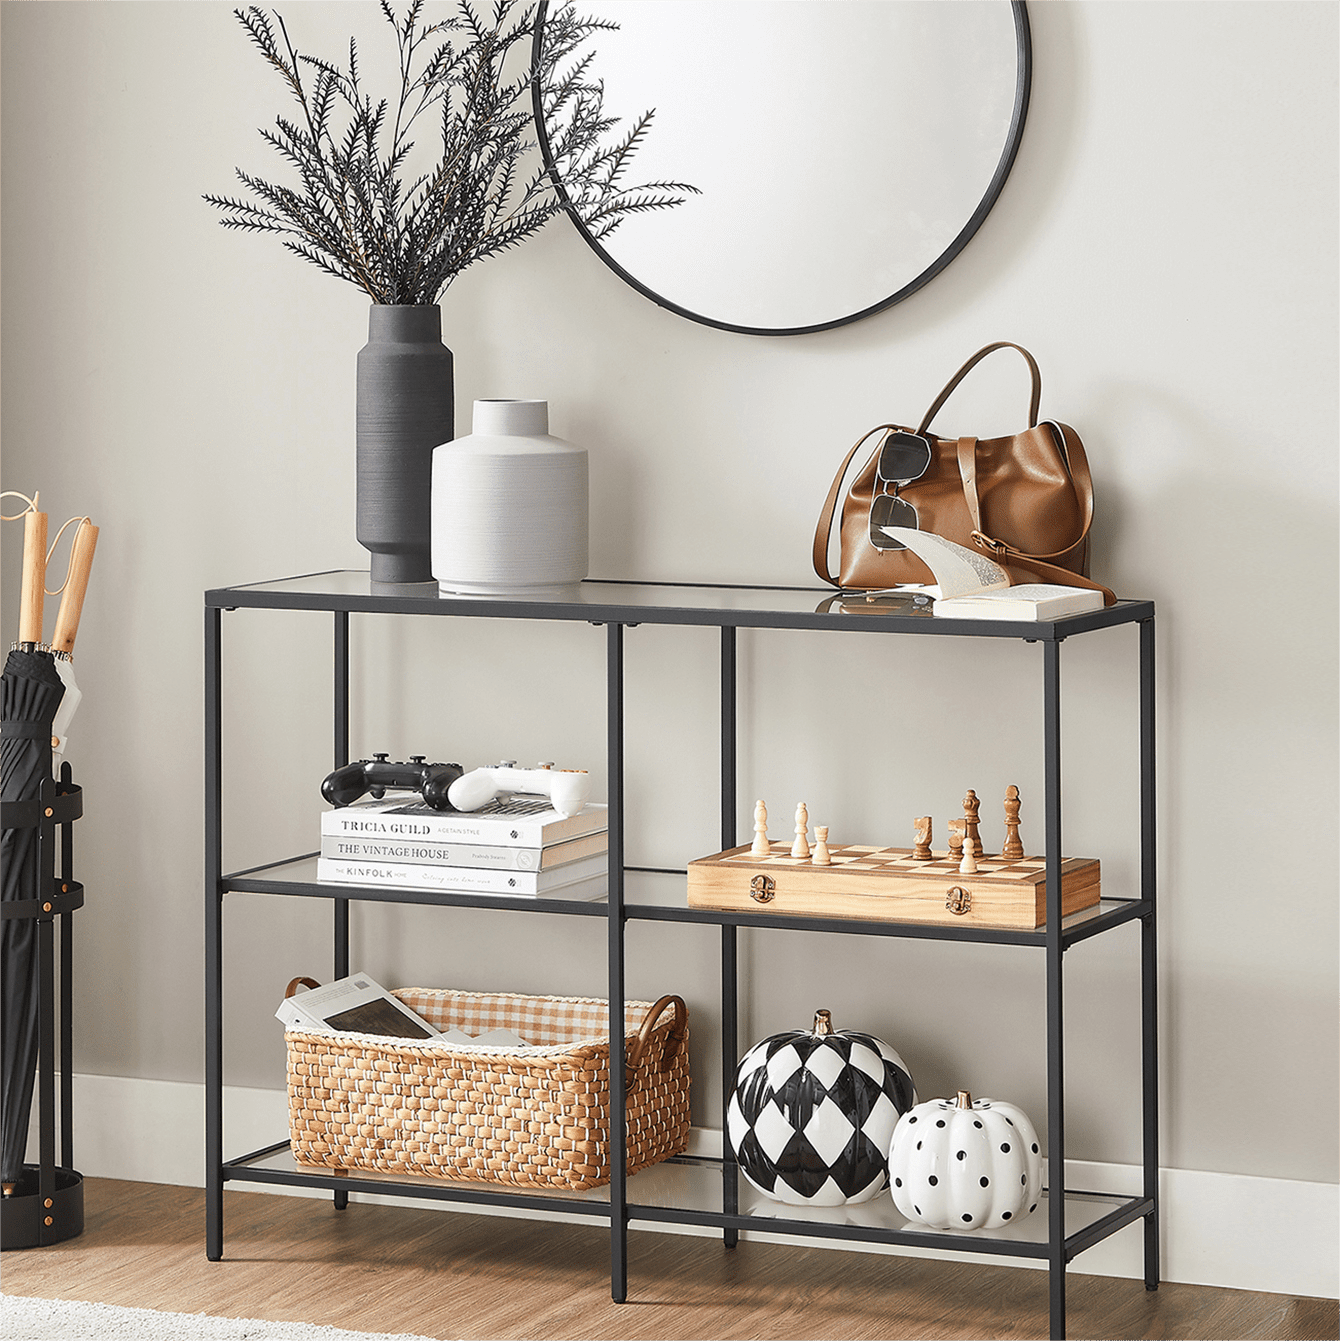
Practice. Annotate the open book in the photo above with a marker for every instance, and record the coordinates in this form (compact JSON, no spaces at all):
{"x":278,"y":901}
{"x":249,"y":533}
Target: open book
{"x":971,"y":586}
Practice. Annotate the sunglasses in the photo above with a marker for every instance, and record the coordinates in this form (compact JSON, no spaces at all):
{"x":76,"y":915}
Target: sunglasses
{"x":903,"y":457}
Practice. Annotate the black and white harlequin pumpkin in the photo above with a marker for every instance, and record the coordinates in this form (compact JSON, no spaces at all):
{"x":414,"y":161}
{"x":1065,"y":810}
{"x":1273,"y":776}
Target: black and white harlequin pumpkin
{"x":956,"y":1164}
{"x":813,"y":1113}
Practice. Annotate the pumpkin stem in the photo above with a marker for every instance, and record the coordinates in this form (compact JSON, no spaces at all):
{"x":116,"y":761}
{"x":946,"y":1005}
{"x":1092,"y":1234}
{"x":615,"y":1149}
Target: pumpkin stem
{"x":823,"y":1024}
{"x":964,"y":1099}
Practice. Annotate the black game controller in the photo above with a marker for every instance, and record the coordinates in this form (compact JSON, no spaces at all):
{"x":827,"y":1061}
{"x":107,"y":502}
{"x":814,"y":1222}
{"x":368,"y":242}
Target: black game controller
{"x":373,"y":776}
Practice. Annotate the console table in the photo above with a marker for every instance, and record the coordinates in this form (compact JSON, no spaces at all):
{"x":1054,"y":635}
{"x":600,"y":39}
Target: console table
{"x":697,"y":1191}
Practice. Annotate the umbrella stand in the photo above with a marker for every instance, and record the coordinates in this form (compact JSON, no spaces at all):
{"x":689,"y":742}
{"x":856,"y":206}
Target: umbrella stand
{"x":46,"y":1204}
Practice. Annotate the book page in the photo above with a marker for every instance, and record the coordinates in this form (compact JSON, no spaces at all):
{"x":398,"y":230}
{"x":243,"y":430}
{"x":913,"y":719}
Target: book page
{"x":959,"y":571}
{"x":1037,"y":591}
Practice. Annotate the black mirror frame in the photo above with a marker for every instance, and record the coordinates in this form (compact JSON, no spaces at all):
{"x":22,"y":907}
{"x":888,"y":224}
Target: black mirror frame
{"x":1023,"y":84}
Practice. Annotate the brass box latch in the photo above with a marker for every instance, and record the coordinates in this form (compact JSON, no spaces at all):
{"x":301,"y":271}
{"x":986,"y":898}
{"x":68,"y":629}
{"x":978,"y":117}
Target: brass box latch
{"x":959,"y":900}
{"x":762,"y":889}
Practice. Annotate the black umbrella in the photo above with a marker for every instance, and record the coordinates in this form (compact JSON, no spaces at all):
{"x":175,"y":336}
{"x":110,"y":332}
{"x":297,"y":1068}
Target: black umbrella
{"x":31,"y":691}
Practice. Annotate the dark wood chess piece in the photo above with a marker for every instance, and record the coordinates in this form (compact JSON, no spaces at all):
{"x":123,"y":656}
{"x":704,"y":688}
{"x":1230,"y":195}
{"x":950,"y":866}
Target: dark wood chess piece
{"x":1014,"y":848}
{"x":971,"y":805}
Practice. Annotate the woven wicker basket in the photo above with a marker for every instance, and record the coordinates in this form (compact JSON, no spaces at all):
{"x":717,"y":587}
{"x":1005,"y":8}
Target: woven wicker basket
{"x":534,"y":1117}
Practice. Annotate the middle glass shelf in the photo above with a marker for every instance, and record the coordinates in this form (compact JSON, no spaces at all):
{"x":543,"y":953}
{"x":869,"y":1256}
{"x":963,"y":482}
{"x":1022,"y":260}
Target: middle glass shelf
{"x":659,"y":896}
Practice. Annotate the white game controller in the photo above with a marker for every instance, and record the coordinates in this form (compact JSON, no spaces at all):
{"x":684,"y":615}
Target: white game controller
{"x":567,"y":789}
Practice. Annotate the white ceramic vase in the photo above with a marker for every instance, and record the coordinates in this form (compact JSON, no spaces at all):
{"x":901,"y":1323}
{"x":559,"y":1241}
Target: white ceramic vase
{"x":510,"y":505}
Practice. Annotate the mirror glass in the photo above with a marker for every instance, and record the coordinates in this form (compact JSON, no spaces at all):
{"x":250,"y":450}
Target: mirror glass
{"x":846,"y":150}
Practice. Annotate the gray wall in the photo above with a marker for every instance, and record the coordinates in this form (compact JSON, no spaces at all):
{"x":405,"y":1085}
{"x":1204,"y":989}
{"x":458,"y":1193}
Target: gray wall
{"x":1166,"y":247}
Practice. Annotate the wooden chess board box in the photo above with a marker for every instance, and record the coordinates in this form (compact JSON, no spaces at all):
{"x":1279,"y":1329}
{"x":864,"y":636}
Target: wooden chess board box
{"x":884,"y":884}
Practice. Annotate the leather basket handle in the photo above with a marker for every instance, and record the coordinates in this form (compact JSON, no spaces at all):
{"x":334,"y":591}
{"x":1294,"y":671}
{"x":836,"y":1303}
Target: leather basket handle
{"x":299,"y":982}
{"x":678,"y":1031}
{"x":1034,"y":402}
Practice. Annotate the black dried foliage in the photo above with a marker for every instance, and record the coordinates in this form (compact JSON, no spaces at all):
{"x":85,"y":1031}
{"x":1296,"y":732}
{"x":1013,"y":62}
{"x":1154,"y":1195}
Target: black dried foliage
{"x":352,"y":213}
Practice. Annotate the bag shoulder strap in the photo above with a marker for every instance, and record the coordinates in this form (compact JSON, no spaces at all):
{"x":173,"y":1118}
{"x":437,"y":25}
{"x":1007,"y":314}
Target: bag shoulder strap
{"x":1034,"y":401}
{"x":1072,"y":450}
{"x":823,"y":531}
{"x":1078,"y":464}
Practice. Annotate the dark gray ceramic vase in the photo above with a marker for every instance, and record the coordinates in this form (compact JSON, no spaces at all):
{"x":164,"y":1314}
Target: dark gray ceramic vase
{"x":406,"y":405}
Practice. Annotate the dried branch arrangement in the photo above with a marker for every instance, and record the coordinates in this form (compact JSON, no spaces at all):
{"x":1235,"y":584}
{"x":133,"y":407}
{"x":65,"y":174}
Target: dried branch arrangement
{"x":354,"y":215}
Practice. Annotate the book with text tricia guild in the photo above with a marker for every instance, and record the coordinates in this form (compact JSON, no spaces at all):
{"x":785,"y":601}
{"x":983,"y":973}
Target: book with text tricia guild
{"x":513,"y":821}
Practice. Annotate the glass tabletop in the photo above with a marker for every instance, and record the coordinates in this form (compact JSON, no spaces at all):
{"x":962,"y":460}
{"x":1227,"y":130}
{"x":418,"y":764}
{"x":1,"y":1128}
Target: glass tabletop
{"x":601,"y":600}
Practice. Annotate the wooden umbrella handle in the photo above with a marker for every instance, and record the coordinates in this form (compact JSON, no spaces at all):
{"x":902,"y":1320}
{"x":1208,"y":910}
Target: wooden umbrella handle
{"x":34,"y":576}
{"x":76,"y":584}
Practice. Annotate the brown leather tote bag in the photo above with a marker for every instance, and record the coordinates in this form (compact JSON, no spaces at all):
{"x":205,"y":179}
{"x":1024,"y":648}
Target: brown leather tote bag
{"x":1025,"y":501}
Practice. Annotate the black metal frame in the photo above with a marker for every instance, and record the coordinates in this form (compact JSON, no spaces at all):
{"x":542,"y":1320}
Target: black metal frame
{"x":1018,"y":115}
{"x":702,"y":605}
{"x":55,"y":1212}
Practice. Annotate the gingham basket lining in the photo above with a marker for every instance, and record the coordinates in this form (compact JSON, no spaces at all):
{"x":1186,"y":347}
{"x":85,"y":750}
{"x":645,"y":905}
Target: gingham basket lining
{"x":565,"y":1023}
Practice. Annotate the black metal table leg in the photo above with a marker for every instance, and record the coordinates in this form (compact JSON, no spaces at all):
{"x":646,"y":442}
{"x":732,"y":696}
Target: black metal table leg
{"x":213,"y":937}
{"x":1056,"y":1261}
{"x":730,"y":1171}
{"x":341,"y":757}
{"x":1149,"y":1022}
{"x":618,"y":1084}
{"x":730,"y":1041}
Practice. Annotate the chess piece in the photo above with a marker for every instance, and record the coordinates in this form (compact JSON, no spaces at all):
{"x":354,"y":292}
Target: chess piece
{"x":761,"y":848}
{"x":956,"y":831}
{"x":971,"y":805}
{"x":1013,"y":849}
{"x":921,"y":842}
{"x":801,"y":847}
{"x":822,"y":856}
{"x":968,"y":866}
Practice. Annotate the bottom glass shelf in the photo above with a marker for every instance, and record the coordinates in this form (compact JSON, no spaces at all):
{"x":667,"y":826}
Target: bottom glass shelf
{"x":688,"y":1191}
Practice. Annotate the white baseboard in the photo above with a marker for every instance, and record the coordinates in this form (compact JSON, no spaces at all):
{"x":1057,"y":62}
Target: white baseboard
{"x":1228,"y":1230}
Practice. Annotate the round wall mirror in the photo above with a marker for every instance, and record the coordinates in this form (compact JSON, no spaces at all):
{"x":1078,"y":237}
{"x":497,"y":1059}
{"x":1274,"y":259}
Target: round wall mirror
{"x":845,"y":150}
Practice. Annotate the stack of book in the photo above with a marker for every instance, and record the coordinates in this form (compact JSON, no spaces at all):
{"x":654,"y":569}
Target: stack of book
{"x":515,"y":845}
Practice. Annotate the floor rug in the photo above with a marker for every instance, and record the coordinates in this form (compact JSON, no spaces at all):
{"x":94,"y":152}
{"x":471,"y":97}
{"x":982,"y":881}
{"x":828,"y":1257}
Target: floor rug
{"x":24,"y":1319}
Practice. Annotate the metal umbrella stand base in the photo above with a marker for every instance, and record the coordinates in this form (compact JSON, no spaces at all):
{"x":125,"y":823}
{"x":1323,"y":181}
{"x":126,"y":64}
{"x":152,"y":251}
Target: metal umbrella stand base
{"x":45,"y":1204}
{"x":30,"y":1220}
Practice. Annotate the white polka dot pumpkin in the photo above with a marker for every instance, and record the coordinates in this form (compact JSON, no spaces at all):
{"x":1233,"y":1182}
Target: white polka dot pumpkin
{"x":956,"y":1164}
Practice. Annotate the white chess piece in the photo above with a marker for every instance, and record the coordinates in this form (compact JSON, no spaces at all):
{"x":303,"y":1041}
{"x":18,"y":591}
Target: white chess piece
{"x":968,"y":866}
{"x":822,"y":856}
{"x":761,"y":848}
{"x":801,"y":847}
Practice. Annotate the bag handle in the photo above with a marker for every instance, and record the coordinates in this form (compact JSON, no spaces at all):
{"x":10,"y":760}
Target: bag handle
{"x":299,"y":982}
{"x":678,"y":1032}
{"x":823,"y":531}
{"x":1034,"y":402}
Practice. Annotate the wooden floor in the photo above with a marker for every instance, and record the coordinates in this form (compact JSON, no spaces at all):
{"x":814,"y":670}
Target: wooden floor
{"x":442,"y":1274}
